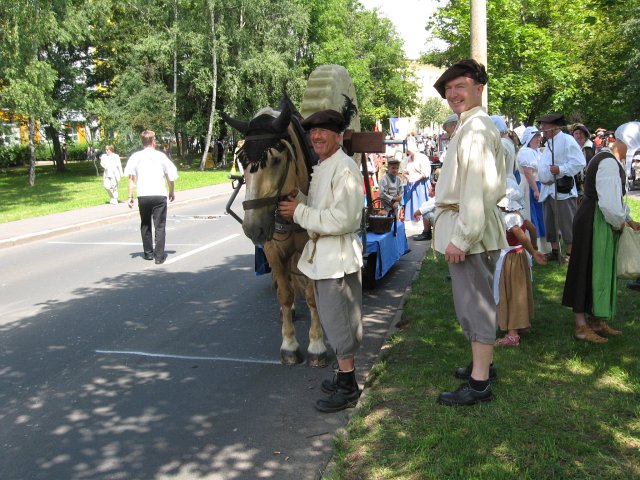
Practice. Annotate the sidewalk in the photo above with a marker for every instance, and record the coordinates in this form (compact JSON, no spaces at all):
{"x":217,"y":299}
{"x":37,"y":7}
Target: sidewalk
{"x":30,"y":229}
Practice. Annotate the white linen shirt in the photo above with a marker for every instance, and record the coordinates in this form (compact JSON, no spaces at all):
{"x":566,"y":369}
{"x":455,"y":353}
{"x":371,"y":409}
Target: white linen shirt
{"x":112,"y":166}
{"x":150,"y":167}
{"x":568,"y":156}
{"x":609,"y":191}
{"x":473,"y":180}
{"x":331,"y":214}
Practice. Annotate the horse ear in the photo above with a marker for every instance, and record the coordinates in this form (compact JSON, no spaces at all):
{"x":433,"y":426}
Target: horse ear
{"x":282,"y":121}
{"x":242,"y":127}
{"x":286,"y":101}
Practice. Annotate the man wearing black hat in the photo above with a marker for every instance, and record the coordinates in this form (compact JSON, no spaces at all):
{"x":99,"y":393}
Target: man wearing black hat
{"x":560,"y":162}
{"x":468,"y":228}
{"x":332,"y":258}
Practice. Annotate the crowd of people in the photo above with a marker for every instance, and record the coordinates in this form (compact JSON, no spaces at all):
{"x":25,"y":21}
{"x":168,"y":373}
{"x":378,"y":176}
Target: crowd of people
{"x":493,"y":203}
{"x":502,"y":198}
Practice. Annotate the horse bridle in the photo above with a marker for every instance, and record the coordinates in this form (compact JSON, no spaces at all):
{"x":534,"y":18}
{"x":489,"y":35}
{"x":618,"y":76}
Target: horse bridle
{"x":272,"y":201}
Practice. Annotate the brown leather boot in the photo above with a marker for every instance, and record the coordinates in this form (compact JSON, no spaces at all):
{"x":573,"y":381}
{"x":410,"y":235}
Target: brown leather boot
{"x":601,"y":327}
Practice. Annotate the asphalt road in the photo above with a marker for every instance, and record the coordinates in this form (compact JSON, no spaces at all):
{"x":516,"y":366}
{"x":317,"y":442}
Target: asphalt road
{"x":112,"y":367}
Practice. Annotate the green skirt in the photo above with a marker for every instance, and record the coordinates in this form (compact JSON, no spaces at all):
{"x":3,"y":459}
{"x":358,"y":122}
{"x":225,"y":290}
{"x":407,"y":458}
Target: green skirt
{"x":604,"y":282}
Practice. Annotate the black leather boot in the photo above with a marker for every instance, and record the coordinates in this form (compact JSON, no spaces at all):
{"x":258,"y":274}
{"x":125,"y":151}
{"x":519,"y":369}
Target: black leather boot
{"x":330,"y":386}
{"x":464,"y":373}
{"x":345,"y":395}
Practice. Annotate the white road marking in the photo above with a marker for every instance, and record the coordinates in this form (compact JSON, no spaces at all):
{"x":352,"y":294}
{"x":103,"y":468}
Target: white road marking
{"x":198,"y":250}
{"x":188,"y":357}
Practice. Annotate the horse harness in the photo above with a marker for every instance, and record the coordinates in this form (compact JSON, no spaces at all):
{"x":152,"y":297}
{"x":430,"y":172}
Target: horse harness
{"x":281,"y":225}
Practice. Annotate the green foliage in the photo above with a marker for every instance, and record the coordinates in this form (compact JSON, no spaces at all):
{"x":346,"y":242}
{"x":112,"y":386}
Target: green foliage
{"x":432,"y":111}
{"x":113,"y":62}
{"x":580,"y":57}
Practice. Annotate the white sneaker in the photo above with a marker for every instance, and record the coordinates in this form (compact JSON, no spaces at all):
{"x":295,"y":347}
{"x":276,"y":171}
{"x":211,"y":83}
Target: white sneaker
{"x":113,"y":201}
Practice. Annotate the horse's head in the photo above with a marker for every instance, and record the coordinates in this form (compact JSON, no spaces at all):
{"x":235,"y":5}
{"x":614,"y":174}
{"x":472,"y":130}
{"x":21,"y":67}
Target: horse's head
{"x":267,"y":156}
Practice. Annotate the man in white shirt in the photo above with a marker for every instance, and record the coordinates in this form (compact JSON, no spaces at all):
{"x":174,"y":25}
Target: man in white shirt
{"x":469,"y":229}
{"x":561,"y":160}
{"x":147,"y":170}
{"x":332,"y":258}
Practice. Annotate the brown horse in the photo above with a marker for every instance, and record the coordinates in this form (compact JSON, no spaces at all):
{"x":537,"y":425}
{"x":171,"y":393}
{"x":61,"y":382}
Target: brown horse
{"x":276,"y":158}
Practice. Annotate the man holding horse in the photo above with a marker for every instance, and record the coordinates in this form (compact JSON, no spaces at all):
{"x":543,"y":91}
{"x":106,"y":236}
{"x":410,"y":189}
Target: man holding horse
{"x":332,"y":258}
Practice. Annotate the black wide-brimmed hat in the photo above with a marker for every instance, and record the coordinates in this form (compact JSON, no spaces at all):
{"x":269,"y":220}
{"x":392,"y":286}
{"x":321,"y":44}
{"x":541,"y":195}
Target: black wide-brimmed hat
{"x":553,"y":118}
{"x":327,"y":119}
{"x":464,"y":68}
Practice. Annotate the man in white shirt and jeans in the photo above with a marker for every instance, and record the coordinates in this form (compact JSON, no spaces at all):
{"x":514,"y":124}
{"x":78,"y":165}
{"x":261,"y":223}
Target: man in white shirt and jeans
{"x":147,"y":170}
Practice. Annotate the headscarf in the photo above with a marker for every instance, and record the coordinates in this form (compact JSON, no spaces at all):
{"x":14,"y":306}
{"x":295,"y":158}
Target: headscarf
{"x":500,"y":124}
{"x":629,"y":134}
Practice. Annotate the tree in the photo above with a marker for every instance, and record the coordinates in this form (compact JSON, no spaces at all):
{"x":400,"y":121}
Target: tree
{"x":368,"y":46}
{"x":26,"y":80}
{"x":432,"y":111}
{"x":549,"y":56}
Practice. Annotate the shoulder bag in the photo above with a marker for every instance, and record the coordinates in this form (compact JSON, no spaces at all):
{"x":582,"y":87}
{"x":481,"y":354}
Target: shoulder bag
{"x":628,"y":260}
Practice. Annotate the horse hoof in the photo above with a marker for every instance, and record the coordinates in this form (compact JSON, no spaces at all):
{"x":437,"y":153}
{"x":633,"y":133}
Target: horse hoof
{"x":291,"y":358}
{"x":317,"y":360}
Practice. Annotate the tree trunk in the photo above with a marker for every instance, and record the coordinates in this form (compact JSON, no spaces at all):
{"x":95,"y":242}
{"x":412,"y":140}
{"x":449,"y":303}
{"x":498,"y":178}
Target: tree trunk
{"x":32,"y":151}
{"x":175,"y":75}
{"x":214,"y":61}
{"x":52,"y":133}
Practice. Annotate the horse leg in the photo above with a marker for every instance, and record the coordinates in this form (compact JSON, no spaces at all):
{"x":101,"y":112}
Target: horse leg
{"x":290,"y":349}
{"x":317,"y":352}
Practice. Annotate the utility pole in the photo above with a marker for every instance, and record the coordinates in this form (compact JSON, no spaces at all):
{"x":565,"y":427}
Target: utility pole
{"x":479,"y":38}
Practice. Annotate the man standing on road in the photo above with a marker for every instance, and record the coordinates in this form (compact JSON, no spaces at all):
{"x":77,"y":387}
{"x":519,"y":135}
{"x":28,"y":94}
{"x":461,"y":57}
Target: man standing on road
{"x":147,"y":171}
{"x":561,"y":161}
{"x":332,"y":258}
{"x":469,"y":230}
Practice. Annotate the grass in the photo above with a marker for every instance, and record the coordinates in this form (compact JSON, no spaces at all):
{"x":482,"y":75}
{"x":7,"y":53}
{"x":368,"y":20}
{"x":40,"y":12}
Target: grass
{"x":76,"y":188}
{"x":564,"y":409}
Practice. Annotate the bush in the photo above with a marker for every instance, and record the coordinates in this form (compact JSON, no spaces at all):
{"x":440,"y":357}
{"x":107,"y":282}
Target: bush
{"x":14,"y":155}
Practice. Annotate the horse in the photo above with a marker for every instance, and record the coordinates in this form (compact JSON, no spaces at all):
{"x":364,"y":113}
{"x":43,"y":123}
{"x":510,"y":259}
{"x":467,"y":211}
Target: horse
{"x":277,"y":158}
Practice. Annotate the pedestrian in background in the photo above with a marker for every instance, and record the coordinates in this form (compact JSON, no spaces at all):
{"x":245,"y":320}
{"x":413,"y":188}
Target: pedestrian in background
{"x":112,"y":166}
{"x":148,"y":169}
{"x":560,"y":162}
{"x":591,"y":284}
{"x":391,"y":188}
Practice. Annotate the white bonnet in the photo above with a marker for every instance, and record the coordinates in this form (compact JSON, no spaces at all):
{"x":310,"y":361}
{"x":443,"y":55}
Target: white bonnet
{"x":500,"y":124}
{"x":513,"y":200}
{"x":528,"y":135}
{"x":629,"y":134}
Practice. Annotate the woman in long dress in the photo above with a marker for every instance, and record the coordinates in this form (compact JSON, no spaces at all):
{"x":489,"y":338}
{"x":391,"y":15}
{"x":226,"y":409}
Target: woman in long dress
{"x":528,"y":157}
{"x":591,"y":284}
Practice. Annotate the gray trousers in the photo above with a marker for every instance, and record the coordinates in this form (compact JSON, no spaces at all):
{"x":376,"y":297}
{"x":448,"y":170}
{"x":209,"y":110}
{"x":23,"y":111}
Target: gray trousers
{"x":472,"y":286}
{"x":566,"y":211}
{"x":339,"y":303}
